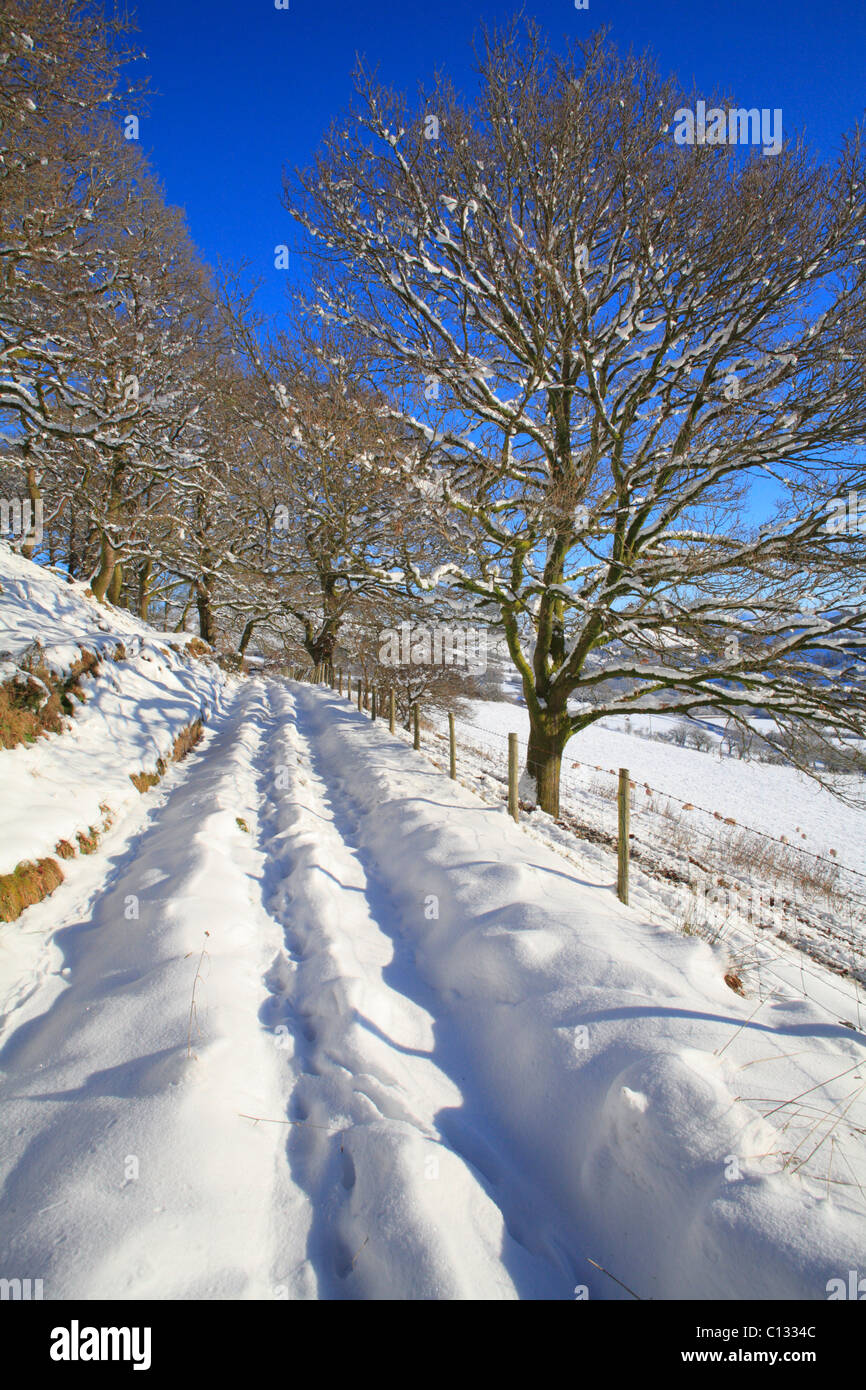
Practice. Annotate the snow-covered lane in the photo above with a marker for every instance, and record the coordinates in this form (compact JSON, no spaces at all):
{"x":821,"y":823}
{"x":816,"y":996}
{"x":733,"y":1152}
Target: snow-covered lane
{"x":330,"y":1027}
{"x":598,"y":1056}
{"x":127,"y":1169}
{"x":215,"y":1093}
{"x":399,"y":1211}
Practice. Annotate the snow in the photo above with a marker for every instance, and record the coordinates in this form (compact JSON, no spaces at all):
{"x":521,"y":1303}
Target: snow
{"x":792,"y":921}
{"x":317,"y":1022}
{"x":776,"y":800}
{"x":135,"y":708}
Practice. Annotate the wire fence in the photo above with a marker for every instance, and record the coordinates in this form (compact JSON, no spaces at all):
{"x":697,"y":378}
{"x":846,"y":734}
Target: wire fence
{"x":782,"y":910}
{"x":793,"y":921}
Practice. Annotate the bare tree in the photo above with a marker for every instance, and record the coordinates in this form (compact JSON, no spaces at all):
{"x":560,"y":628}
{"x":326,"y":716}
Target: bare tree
{"x":326,"y":496}
{"x":103,"y":300}
{"x":396,"y":641}
{"x":616,"y":349}
{"x":64,"y":165}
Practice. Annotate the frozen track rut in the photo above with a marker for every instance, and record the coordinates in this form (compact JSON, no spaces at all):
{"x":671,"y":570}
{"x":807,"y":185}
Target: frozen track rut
{"x":316,"y":1023}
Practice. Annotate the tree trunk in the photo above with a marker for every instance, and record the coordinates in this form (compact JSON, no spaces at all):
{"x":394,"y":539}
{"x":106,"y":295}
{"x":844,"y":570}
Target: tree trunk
{"x":107,"y":562}
{"x":115,"y":586}
{"x":73,"y":560}
{"x":35,"y":496}
{"x":245,"y":637}
{"x":109,"y":554}
{"x":322,"y":647}
{"x":181,"y":625}
{"x":206,"y":625}
{"x":144,"y":574}
{"x":549,"y":732}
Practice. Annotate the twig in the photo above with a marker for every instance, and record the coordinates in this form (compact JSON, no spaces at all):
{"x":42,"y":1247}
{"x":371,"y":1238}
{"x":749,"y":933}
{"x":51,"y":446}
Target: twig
{"x":193,"y":1012}
{"x":615,"y":1280}
{"x":837,"y":1121}
{"x":266,"y":1120}
{"x":358,"y":1251}
{"x":740,"y":1029}
{"x":817,"y":1087}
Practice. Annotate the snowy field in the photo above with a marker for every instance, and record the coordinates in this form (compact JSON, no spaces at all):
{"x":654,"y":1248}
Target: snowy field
{"x":781,"y":908}
{"x":317,"y":1022}
{"x":777,"y":800}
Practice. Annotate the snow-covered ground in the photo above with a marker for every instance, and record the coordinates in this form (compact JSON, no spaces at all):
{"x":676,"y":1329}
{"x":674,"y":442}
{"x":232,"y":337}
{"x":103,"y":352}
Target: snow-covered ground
{"x":317,"y":1022}
{"x":781,"y":908}
{"x":146,"y":691}
{"x":776,"y":800}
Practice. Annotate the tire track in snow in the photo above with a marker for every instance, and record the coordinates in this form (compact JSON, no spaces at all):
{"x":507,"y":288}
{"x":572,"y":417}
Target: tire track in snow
{"x":400,"y":1211}
{"x":621,"y":1124}
{"x":366,"y":1197}
{"x":129,"y":1172}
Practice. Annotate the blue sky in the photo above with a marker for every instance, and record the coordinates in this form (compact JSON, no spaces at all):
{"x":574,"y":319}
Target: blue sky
{"x":244,"y":89}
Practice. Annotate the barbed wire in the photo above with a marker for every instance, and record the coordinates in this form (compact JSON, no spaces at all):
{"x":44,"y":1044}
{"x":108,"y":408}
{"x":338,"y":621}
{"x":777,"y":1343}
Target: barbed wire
{"x":825,"y":980}
{"x":710,"y":840}
{"x":693,"y":806}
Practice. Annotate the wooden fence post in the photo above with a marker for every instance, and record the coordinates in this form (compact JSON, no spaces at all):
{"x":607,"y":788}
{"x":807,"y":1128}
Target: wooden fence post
{"x":452,"y":748}
{"x":623,"y":799}
{"x":392,"y":712}
{"x":513,"y":803}
{"x":416,"y":727}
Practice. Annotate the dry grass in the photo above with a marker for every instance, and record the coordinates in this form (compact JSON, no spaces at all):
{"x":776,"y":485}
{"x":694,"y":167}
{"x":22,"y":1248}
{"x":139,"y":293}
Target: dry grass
{"x":764,"y":858}
{"x":35,"y":700}
{"x":185,"y":741}
{"x":745,"y":855}
{"x":143,"y":781}
{"x":193,"y":1008}
{"x":27,"y":884}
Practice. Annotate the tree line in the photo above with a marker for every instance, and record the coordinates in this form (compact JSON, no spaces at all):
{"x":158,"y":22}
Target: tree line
{"x":557,"y":375}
